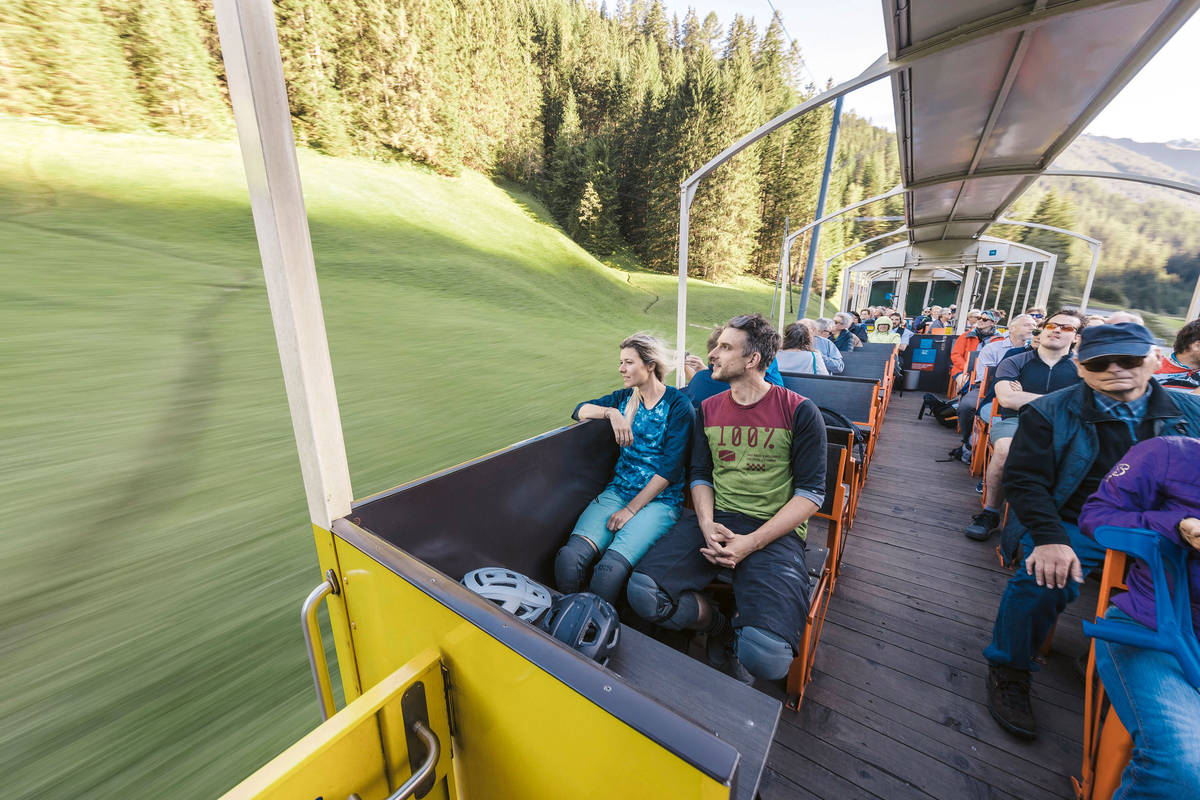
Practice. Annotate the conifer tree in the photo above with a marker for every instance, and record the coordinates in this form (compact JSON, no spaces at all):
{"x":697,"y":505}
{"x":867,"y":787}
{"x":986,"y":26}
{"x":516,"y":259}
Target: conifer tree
{"x":61,"y":59}
{"x":163,"y":45}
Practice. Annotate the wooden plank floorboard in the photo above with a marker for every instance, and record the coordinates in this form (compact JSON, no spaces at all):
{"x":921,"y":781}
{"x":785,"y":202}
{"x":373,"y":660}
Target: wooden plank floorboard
{"x":897,"y":707}
{"x":943,"y":742}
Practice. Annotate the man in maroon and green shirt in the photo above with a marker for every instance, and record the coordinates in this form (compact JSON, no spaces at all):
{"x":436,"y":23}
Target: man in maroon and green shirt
{"x":757,"y":474}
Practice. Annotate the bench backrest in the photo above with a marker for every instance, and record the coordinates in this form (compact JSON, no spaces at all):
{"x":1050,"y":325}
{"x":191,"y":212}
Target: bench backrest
{"x":833,"y":474}
{"x":513,"y":508}
{"x":874,"y":369}
{"x":851,"y":397}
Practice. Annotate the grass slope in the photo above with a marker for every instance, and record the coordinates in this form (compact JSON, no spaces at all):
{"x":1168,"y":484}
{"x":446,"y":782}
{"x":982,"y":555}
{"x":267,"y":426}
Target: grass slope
{"x":156,"y":543}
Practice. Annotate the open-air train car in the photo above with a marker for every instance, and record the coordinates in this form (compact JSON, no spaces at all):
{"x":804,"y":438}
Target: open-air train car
{"x":445,"y":694}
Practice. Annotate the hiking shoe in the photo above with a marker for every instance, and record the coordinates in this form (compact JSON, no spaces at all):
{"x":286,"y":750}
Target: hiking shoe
{"x":722,"y":655}
{"x":982,"y":526}
{"x":1008,"y":700}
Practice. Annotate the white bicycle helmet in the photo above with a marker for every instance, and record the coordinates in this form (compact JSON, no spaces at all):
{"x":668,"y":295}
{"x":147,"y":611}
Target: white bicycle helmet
{"x":510,"y":590}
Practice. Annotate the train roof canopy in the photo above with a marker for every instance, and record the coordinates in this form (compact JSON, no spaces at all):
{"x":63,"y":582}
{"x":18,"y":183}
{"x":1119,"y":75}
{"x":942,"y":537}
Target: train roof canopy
{"x":1002,"y":88}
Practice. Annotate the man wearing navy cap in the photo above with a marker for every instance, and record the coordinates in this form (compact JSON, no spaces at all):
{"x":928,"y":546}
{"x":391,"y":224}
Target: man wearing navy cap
{"x":1065,"y":444}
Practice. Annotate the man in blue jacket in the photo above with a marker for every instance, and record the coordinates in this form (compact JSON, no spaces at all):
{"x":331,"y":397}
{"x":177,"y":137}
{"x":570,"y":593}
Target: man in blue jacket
{"x":1066,"y":443}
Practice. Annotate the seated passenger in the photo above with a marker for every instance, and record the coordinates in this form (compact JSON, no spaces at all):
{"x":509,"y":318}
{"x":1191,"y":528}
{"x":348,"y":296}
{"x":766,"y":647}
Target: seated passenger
{"x":1019,"y":379}
{"x":991,"y":354}
{"x":820,"y":329}
{"x":1181,"y":369}
{"x":701,"y":383}
{"x":899,"y":327}
{"x":1157,"y":487}
{"x":981,"y":330}
{"x":842,"y":334}
{"x":652,"y":424}
{"x":924,"y":323}
{"x":798,"y":354}
{"x":883,"y":333}
{"x":859,"y":327}
{"x":1067,"y":442}
{"x":757,"y":474}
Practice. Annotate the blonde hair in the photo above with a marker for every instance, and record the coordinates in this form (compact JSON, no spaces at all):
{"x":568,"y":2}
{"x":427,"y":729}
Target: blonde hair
{"x":654,"y":353}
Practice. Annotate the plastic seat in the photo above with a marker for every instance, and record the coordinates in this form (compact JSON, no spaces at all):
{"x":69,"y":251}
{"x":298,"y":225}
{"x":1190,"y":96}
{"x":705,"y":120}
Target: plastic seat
{"x":1174,"y":634}
{"x":1107,"y":745}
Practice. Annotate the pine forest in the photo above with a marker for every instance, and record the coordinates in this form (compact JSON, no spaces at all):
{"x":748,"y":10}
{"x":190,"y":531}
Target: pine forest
{"x":603,"y":109}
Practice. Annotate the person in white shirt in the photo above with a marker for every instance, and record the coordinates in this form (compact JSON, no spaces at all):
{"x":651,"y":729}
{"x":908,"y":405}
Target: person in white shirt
{"x":798,"y":354}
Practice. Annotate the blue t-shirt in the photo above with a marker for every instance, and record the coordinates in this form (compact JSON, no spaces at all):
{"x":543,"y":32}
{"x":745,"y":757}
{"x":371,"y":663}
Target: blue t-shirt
{"x":660,"y":441}
{"x":703,"y":385}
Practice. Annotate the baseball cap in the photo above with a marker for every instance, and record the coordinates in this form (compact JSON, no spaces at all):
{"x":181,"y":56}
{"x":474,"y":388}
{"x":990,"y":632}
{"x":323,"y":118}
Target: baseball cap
{"x":1120,"y":339}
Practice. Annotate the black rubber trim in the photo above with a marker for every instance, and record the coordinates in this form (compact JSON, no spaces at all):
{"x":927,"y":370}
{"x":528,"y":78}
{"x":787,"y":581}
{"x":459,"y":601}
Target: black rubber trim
{"x":696,"y":746}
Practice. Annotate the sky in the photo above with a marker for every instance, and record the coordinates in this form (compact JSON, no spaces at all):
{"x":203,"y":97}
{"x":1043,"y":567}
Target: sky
{"x":840,"y":38}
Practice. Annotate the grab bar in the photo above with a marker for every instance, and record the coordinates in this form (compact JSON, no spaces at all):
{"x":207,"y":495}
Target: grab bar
{"x":316,"y":648}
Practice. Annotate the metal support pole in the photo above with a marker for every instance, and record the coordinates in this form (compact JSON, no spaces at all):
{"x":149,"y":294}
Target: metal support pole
{"x":966,"y":292}
{"x":1043,"y":293}
{"x":815,"y":236}
{"x":686,"y":193}
{"x":1029,"y":286}
{"x":1193,"y":311}
{"x":1012,"y":307}
{"x":1000,"y":285}
{"x":779,"y":272}
{"x":1091,"y":276}
{"x":987,"y":287}
{"x":785,"y":267}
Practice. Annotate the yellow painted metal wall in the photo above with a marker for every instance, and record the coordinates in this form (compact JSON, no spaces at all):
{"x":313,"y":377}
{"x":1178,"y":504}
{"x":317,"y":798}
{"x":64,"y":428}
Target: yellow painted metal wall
{"x":521,"y":733}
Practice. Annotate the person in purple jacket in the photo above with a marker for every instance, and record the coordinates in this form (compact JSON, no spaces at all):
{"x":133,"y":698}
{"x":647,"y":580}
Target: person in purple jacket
{"x":1155,"y":486}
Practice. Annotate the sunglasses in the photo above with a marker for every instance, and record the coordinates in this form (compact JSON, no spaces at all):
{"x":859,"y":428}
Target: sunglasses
{"x":1054,"y":326}
{"x":1102,"y":363}
{"x":1038,"y":316}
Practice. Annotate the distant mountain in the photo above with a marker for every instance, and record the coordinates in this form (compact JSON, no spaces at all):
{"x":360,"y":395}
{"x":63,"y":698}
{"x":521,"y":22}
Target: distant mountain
{"x":1182,"y":155}
{"x":1178,"y":160}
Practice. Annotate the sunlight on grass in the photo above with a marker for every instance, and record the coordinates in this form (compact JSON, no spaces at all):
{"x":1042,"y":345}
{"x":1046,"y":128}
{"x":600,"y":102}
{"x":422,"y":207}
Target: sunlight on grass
{"x":160,"y":548}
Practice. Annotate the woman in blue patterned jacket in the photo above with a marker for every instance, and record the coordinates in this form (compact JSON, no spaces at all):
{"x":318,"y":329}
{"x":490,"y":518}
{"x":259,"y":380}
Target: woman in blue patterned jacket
{"x":652,"y":424}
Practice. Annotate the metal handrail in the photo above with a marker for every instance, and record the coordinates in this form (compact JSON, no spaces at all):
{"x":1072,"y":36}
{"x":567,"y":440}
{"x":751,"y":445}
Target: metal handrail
{"x":314,"y":645}
{"x":426,"y":769}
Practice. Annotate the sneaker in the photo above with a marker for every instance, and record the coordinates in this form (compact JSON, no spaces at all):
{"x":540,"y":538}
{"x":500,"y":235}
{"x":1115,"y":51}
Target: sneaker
{"x":957,"y":452}
{"x":982,"y":526}
{"x":979,"y":487}
{"x":722,"y":655}
{"x":1008,"y":700}
{"x":965,"y":456}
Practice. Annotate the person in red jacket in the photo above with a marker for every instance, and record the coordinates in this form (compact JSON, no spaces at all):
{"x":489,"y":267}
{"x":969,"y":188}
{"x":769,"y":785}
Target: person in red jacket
{"x":1180,"y":369}
{"x":981,"y":329}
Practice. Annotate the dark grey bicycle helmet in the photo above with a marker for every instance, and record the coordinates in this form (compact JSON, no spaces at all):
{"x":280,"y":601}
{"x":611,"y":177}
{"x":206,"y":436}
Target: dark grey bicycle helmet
{"x":586,"y":622}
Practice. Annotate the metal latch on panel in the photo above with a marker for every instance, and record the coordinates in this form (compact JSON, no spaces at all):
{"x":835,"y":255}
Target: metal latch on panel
{"x":421,"y":751}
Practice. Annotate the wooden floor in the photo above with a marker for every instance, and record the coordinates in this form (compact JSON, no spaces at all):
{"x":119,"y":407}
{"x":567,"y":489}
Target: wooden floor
{"x":897,"y":706}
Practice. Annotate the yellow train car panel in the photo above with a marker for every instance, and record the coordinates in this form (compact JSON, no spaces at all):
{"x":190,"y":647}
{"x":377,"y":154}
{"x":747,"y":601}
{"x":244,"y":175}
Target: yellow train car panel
{"x":520,"y":732}
{"x":363,"y":750}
